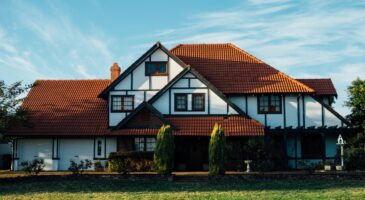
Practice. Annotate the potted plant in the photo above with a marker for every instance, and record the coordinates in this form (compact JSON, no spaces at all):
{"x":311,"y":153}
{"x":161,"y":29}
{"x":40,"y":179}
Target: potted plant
{"x":328,"y":165}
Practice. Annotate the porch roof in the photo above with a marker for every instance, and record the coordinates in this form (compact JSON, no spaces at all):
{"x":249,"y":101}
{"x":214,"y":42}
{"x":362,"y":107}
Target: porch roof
{"x":202,"y":126}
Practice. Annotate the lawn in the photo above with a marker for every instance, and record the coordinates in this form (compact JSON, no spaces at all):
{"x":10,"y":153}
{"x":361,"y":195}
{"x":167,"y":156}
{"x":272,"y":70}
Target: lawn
{"x":239,"y":189}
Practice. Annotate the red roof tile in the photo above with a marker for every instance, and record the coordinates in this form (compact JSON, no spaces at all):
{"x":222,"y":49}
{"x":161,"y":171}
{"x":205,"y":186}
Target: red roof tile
{"x":203,"y":125}
{"x":323,"y":86}
{"x":66,"y":107}
{"x":233,"y":70}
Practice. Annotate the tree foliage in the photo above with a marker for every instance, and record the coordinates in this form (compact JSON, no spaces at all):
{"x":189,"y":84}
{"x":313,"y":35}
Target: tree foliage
{"x":11,"y":114}
{"x":356,"y":102}
{"x":217,"y":151}
{"x":164,"y":152}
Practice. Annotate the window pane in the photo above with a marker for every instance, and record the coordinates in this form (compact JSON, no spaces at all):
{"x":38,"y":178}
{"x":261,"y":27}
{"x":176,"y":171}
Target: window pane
{"x":150,"y":144}
{"x":116,"y":103}
{"x":263,"y":103}
{"x":275,"y":102}
{"x":180,"y":102}
{"x":151,"y":68}
{"x":139,"y":144}
{"x":198,"y":102}
{"x":161,"y":67}
{"x":99,"y":148}
{"x":128,"y":103}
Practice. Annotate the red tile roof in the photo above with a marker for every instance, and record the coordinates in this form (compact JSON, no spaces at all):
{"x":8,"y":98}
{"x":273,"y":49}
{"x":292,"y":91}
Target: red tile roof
{"x":203,"y":125}
{"x":66,"y":107}
{"x":322,"y":86}
{"x":233,"y":70}
{"x":71,"y":108}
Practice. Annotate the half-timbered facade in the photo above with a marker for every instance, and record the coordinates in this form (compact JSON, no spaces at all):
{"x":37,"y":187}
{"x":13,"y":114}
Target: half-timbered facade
{"x":191,"y":87}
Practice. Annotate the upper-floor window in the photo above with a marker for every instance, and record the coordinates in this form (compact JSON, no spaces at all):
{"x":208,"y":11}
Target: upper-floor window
{"x":198,"y":103}
{"x":270,"y":104}
{"x":122,"y":103}
{"x":181,"y":102}
{"x":156,"y":68}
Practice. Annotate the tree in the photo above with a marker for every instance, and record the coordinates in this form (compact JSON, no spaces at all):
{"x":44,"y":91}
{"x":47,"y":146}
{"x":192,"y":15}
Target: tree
{"x":164,"y":152}
{"x":217,"y":151}
{"x":356,"y":102}
{"x":11,"y":114}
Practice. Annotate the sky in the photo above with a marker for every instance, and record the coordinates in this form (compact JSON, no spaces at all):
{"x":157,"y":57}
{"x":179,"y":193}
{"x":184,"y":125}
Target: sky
{"x":69,"y":39}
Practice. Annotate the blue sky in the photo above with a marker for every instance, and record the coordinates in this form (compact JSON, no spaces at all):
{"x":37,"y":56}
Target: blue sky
{"x":81,"y":39}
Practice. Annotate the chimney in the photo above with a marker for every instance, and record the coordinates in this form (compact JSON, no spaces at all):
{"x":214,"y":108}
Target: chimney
{"x":114,"y":71}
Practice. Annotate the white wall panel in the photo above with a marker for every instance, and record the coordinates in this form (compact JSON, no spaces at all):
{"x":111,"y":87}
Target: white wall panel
{"x":125,"y":84}
{"x":75,"y":149}
{"x":174,"y":68}
{"x":159,"y":55}
{"x":291,"y":111}
{"x":162,"y":103}
{"x":330,"y":119}
{"x":140,"y":80}
{"x":313,"y":112}
{"x":196,"y":83}
{"x":252,"y":109}
{"x":182,"y":83}
{"x":30,"y":149}
{"x":239,"y":101}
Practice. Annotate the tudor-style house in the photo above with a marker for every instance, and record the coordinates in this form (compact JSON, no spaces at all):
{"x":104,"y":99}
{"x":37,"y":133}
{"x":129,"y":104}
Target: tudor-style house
{"x":190,"y":87}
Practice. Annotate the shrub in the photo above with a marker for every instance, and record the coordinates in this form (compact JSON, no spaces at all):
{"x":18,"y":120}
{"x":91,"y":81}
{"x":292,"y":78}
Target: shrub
{"x":34,"y":167}
{"x":98,"y":166}
{"x":78,"y":168}
{"x":125,"y":162}
{"x":164,"y":153}
{"x":267,"y":154}
{"x":354,"y":158}
{"x":217,"y":151}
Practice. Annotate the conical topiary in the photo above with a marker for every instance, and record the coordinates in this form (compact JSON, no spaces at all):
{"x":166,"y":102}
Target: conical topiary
{"x":164,"y":152}
{"x":217,"y":151}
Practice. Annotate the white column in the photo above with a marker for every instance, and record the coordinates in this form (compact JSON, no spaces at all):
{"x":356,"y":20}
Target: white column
{"x":55,"y":156}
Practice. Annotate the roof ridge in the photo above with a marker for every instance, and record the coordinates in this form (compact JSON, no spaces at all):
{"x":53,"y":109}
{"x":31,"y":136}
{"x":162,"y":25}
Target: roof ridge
{"x":280,"y":72}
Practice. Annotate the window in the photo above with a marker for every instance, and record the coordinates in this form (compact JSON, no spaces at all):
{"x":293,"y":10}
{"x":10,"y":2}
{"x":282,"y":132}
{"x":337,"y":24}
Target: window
{"x":198,"y":102}
{"x":269,"y":104}
{"x":99,"y":148}
{"x":150,"y":144}
{"x":312,"y":146}
{"x":122,"y":103}
{"x":144,"y":144}
{"x":181,"y":102}
{"x":139,"y":144}
{"x":156,"y":68}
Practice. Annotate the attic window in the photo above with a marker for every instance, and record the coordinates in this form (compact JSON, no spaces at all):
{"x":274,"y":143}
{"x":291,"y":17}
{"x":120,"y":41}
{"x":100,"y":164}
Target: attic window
{"x":121,"y":103}
{"x":156,"y":68}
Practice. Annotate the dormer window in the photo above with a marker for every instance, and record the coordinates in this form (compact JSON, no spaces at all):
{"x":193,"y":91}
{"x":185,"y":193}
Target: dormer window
{"x":269,"y":104}
{"x":122,"y":103}
{"x":156,"y":68}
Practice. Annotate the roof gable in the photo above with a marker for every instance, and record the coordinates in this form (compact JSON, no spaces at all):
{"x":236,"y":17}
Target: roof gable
{"x":153,"y":49}
{"x":233,"y":70}
{"x":188,"y":70}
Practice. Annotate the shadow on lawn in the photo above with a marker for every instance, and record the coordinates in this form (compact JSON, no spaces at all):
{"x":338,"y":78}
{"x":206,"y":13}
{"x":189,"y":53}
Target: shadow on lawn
{"x":85,"y":185}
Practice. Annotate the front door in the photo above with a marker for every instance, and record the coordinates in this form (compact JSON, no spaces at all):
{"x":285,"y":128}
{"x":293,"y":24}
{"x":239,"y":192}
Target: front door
{"x":191,"y":153}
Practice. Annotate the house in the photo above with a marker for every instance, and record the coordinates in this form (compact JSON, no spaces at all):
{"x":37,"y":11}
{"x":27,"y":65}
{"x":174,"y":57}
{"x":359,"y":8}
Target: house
{"x":191,"y":87}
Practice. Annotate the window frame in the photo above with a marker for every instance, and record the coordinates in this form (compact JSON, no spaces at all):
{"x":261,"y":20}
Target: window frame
{"x":186,"y":101}
{"x":144,"y":138}
{"x":269,"y":104}
{"x":99,"y":147}
{"x":192,"y":102}
{"x":156,"y":73}
{"x":122,"y":103}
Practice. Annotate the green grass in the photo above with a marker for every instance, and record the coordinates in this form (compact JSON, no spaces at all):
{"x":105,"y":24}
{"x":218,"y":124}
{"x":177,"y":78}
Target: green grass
{"x":114,"y":189}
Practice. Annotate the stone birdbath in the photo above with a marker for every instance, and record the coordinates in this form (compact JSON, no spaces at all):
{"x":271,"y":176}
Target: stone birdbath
{"x":247,"y":162}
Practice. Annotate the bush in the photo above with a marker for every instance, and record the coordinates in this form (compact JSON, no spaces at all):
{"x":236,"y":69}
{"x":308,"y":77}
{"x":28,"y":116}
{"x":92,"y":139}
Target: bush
{"x":78,"y":168}
{"x":125,"y":162}
{"x":34,"y":167}
{"x":267,"y":154}
{"x":354,"y":158}
{"x":217,"y":151}
{"x":164,"y":153}
{"x":98,"y":167}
